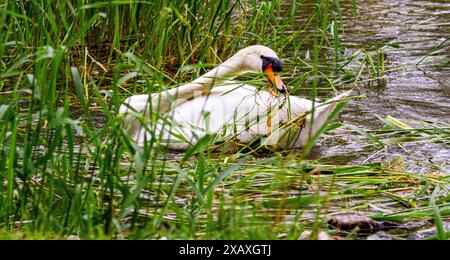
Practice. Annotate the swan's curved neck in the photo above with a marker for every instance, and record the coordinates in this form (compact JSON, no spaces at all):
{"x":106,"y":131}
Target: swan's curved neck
{"x":225,"y":71}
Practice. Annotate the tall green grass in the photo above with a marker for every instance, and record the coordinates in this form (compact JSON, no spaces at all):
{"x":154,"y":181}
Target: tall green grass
{"x":70,"y":169}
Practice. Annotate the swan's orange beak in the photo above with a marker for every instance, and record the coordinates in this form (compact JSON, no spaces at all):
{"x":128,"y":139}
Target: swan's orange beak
{"x":275,"y":79}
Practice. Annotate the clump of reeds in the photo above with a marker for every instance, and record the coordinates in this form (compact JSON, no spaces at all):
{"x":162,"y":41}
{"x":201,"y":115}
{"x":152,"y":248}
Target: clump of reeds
{"x":70,"y":169}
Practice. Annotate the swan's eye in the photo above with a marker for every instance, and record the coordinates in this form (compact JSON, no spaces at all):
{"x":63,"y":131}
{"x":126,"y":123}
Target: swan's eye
{"x":277,"y":65}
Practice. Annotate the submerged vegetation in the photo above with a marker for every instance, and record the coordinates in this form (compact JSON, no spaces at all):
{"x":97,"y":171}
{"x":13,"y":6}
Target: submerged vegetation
{"x":68,"y":167}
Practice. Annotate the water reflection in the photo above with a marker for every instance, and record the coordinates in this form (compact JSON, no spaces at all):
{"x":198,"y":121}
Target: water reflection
{"x":414,"y":93}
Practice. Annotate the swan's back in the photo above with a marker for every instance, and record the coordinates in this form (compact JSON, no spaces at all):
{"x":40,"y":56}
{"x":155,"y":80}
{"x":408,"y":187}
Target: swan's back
{"x":231,"y":110}
{"x":240,"y":112}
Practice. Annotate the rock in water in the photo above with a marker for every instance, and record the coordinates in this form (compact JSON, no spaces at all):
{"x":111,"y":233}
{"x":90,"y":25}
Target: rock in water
{"x":351,"y":221}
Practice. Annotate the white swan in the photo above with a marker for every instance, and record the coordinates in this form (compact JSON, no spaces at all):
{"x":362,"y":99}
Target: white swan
{"x":227,"y":110}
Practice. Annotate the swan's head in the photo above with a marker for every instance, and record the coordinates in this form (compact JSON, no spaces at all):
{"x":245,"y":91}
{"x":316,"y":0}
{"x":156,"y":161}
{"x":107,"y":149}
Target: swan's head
{"x":261,"y":59}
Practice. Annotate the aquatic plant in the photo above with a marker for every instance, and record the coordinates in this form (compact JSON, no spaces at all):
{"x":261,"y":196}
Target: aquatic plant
{"x":69,"y":168}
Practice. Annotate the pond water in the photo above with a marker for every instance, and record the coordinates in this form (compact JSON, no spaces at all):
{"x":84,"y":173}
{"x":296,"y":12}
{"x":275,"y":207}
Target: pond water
{"x":411,"y":93}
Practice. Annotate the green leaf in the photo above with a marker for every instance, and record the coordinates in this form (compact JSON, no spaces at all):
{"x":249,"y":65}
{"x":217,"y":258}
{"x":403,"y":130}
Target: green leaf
{"x":397,"y":122}
{"x":201,"y":143}
{"x":301,"y":201}
{"x":366,"y":134}
{"x":222,"y":176}
{"x":78,"y":85}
